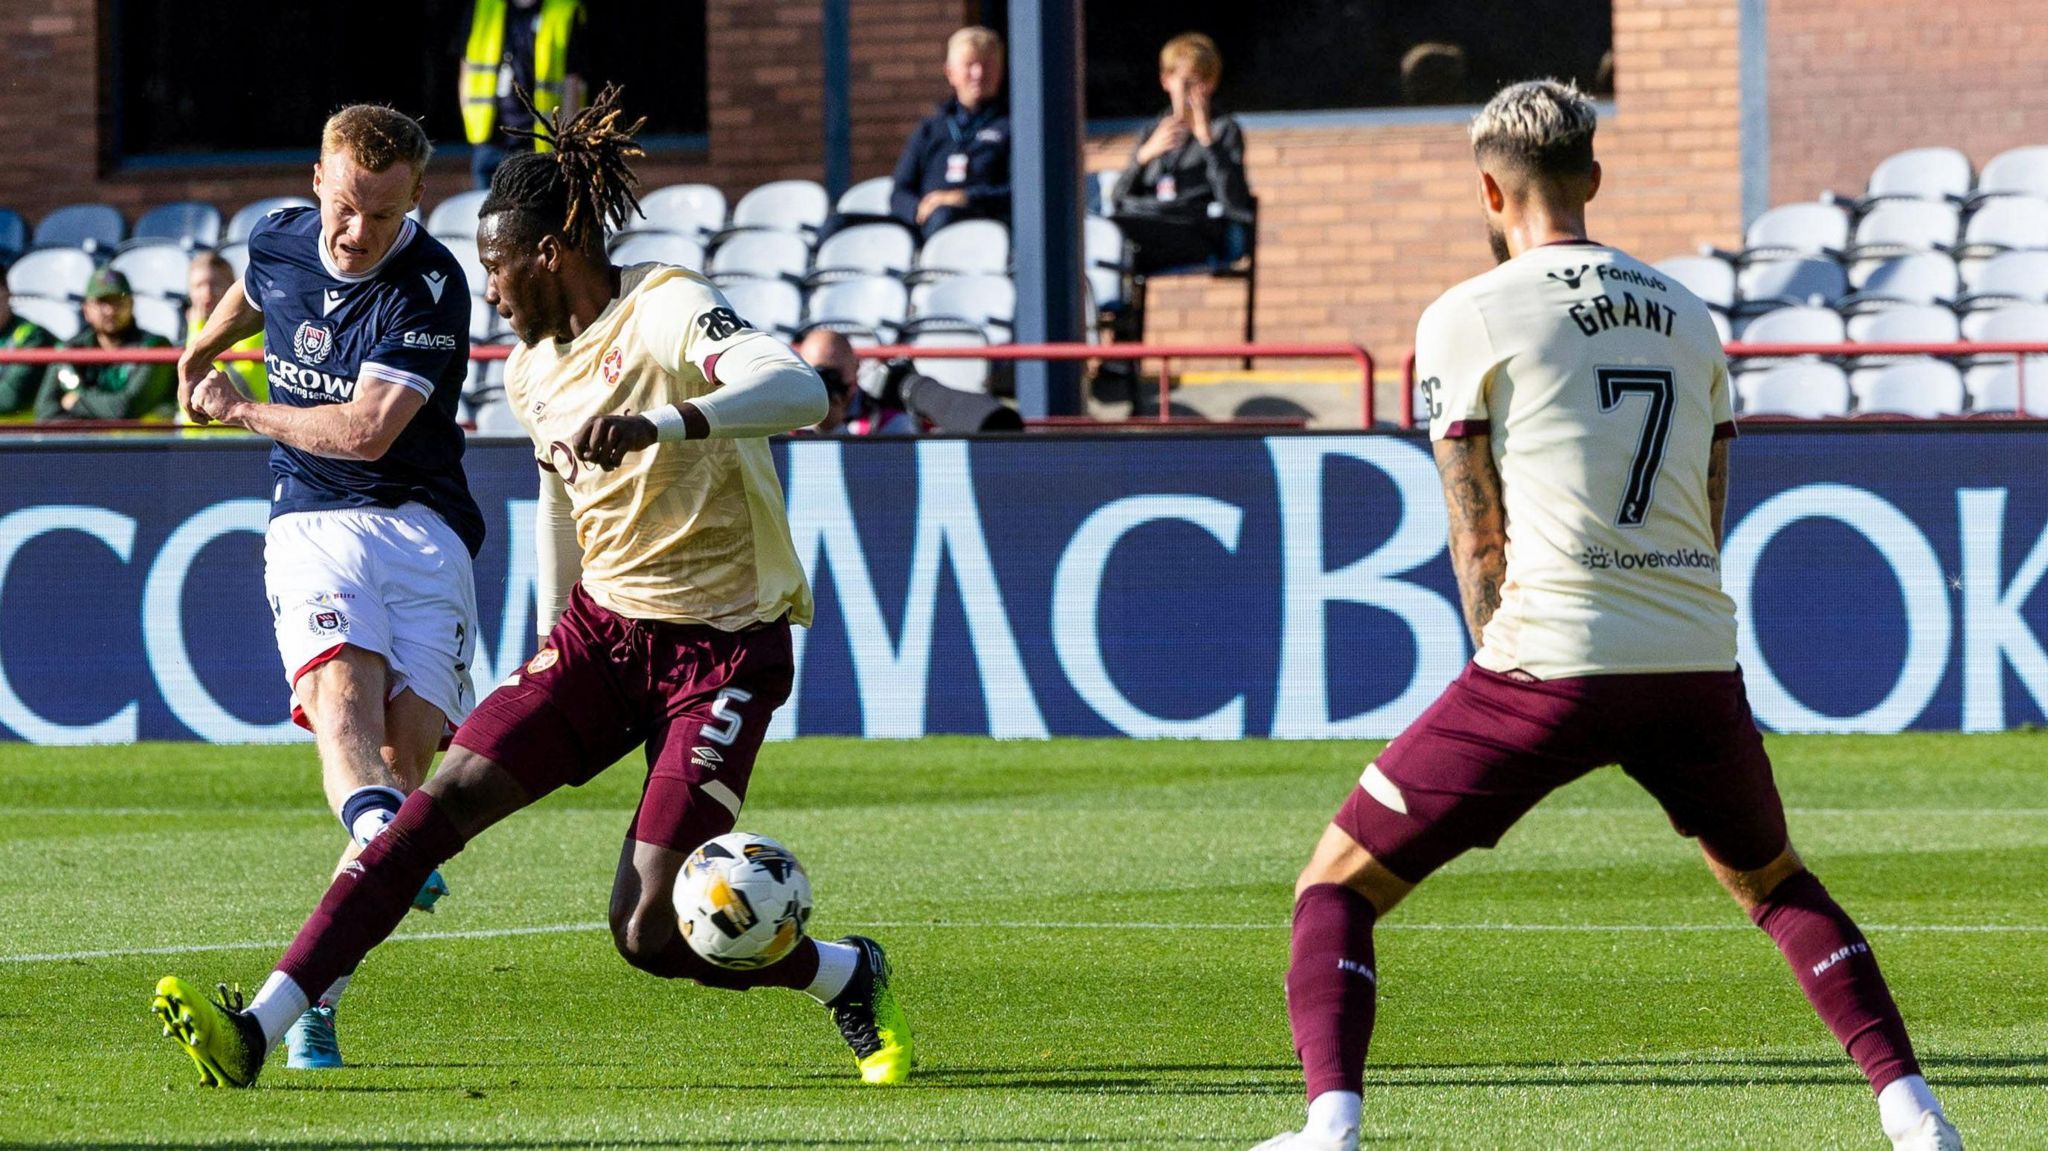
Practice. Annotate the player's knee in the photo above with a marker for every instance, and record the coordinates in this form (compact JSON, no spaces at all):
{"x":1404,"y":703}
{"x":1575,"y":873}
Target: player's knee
{"x":642,"y":937}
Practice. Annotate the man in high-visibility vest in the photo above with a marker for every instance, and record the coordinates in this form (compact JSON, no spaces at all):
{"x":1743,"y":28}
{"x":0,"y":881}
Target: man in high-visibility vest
{"x":517,"y":45}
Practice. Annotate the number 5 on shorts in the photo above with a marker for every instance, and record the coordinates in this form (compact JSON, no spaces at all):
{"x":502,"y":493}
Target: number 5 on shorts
{"x":727,"y":727}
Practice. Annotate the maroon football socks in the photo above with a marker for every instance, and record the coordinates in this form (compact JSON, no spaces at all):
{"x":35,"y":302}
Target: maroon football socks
{"x":1839,"y":975}
{"x":1331,"y":983}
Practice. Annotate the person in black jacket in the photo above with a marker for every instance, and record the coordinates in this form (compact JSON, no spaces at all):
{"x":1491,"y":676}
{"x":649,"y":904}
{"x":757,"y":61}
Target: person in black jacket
{"x":956,"y":166}
{"x":1185,"y":184}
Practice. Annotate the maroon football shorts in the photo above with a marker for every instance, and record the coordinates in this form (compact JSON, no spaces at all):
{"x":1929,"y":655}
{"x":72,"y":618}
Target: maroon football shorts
{"x":696,"y":698}
{"x":1493,"y":745}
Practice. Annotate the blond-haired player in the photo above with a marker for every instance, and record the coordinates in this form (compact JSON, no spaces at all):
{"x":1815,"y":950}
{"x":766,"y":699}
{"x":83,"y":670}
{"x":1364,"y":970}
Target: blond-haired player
{"x":365,"y":323}
{"x":647,"y":399}
{"x":1580,"y":411}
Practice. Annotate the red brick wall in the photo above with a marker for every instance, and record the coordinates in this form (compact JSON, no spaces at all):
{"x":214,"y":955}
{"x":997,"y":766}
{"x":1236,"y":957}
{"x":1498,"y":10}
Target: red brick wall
{"x":1853,"y":81}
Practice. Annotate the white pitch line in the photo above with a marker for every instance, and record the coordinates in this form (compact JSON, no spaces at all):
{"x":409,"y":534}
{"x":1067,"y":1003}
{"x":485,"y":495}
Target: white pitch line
{"x":1065,"y":925}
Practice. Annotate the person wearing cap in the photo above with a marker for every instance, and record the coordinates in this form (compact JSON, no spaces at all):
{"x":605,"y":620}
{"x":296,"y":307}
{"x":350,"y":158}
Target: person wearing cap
{"x":109,"y":391}
{"x":19,"y":382}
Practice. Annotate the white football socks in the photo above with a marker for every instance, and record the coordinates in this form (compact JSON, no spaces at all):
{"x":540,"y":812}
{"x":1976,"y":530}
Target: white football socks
{"x":1332,"y":1115}
{"x":1902,"y":1102}
{"x":332,"y":995}
{"x":277,"y":1006}
{"x":836,"y":964}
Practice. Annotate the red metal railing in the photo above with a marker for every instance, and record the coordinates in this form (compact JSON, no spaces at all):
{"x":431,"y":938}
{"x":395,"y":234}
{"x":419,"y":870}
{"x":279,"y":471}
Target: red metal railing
{"x":1166,"y":354}
{"x":2019,"y":350}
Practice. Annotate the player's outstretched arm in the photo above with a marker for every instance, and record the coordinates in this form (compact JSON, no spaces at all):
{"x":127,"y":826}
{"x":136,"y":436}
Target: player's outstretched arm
{"x":764,"y":389}
{"x":234,"y":319}
{"x":1478,"y":526}
{"x":364,"y":428}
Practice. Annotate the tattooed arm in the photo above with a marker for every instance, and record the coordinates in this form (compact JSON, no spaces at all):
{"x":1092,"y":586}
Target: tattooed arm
{"x":1478,"y":522}
{"x":1717,"y":485}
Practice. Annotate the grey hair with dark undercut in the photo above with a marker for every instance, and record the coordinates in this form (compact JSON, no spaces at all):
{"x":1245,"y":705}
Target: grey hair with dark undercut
{"x":1543,"y":127}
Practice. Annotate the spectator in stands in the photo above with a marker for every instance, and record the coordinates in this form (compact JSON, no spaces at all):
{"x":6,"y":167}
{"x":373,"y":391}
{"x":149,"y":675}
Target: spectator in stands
{"x":209,"y":279}
{"x":517,"y":46}
{"x":894,"y":399}
{"x":116,"y":391}
{"x":1185,"y":183}
{"x":957,"y":164}
{"x":850,"y":411}
{"x":18,"y":382}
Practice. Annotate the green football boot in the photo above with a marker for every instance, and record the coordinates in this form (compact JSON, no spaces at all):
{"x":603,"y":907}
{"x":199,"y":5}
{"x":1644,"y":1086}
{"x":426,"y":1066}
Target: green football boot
{"x":223,"y":1040}
{"x":871,"y":1020}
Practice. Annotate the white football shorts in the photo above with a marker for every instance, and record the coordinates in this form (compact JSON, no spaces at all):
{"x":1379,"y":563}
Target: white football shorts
{"x":395,"y":581}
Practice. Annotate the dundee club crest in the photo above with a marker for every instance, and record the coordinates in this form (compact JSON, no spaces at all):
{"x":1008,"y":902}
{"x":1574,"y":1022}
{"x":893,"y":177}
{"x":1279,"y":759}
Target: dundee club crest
{"x":312,"y":342}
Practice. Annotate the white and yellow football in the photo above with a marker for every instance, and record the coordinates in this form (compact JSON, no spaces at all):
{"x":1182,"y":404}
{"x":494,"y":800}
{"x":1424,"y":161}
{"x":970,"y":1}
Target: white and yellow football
{"x":742,"y":900}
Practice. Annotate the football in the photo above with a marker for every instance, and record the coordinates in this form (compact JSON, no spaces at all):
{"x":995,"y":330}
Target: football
{"x":742,"y":900}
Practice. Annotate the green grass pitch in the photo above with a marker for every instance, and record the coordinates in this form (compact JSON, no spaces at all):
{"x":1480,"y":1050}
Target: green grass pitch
{"x":1089,"y":937}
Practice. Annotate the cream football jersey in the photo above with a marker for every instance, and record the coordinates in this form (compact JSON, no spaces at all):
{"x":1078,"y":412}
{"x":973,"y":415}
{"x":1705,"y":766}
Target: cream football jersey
{"x":685,"y":531}
{"x":1602,"y":387}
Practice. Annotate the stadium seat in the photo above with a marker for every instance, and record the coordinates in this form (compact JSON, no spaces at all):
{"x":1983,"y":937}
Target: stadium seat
{"x":798,"y":206}
{"x":695,"y":210}
{"x":2003,"y":224}
{"x":456,"y":215}
{"x":91,"y":227}
{"x":775,"y":306}
{"x":1107,"y":264}
{"x":464,"y":252}
{"x":1909,"y":324}
{"x":1921,"y":386}
{"x":875,"y":305}
{"x":2021,"y":171}
{"x":1711,"y":278}
{"x":2010,"y":277}
{"x":484,"y":322}
{"x":647,"y":245}
{"x":1992,"y":374}
{"x":979,"y":303}
{"x":2014,"y":322}
{"x":162,"y":317}
{"x":1920,"y":278}
{"x":761,"y":256}
{"x":157,"y":268}
{"x":1788,"y":230}
{"x":13,"y":235}
{"x":1995,"y":388}
{"x":867,"y":198}
{"x":1919,"y":174}
{"x":864,"y":250}
{"x":962,"y":375}
{"x":237,"y":256}
{"x":965,"y":248}
{"x":54,"y":273}
{"x":60,"y":318}
{"x":1771,"y":284}
{"x":1903,"y":227}
{"x":240,"y":224}
{"x":1799,"y":324}
{"x":188,"y":223}
{"x":1802,"y":388}
{"x":1722,"y":326}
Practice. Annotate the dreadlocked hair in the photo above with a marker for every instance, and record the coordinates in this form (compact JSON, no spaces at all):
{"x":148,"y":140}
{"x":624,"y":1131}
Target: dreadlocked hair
{"x":583,"y":185}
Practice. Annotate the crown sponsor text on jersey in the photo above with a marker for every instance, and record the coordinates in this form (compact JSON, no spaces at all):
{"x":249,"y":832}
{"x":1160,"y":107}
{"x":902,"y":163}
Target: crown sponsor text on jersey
{"x":306,"y":382}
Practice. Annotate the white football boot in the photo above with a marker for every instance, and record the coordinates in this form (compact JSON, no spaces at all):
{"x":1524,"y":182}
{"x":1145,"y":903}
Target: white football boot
{"x":1303,"y":1141}
{"x":1933,"y":1133}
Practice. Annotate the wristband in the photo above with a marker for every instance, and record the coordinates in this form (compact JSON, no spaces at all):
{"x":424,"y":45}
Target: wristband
{"x":668,"y":423}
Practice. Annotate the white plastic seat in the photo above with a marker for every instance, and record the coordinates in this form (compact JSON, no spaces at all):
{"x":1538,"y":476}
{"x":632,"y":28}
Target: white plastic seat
{"x":1920,"y":386}
{"x":1769,"y":284}
{"x":798,"y":206}
{"x":1920,"y":174}
{"x":240,"y":224}
{"x":2021,"y":171}
{"x":156,"y":268}
{"x":647,"y":246}
{"x":1907,"y":324}
{"x":2010,"y":277}
{"x":484,"y":322}
{"x":874,"y":304}
{"x":864,"y":250}
{"x":90,"y":227}
{"x":867,"y":198}
{"x":1804,"y":229}
{"x":161,"y":317}
{"x":695,"y":210}
{"x":771,"y":305}
{"x":761,"y":255}
{"x":2014,"y":322}
{"x":456,"y":215}
{"x":464,"y":252}
{"x":1901,"y":227}
{"x":237,"y":256}
{"x":1996,"y":387}
{"x":60,"y":318}
{"x":1919,"y":278}
{"x":1798,"y":324}
{"x":965,"y":248}
{"x":1709,"y":277}
{"x":962,"y":375}
{"x":1802,"y":388}
{"x":187,"y":223}
{"x":979,"y":303}
{"x":2006,"y":223}
{"x":56,"y":273}
{"x":1107,"y":260}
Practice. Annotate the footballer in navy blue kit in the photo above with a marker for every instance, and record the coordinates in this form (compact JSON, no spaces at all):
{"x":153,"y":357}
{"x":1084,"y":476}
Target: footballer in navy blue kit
{"x":365,"y":322}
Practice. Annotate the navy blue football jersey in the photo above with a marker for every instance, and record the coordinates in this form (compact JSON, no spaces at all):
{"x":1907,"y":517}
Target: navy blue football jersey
{"x":405,"y":321}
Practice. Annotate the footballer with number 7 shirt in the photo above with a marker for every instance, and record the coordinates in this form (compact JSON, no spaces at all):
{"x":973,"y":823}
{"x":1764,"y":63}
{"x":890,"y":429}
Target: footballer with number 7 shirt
{"x":1579,"y":406}
{"x":668,"y":587}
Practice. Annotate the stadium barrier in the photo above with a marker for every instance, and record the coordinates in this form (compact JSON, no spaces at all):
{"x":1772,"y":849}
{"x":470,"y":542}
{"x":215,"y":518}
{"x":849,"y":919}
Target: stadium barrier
{"x":1221,"y":585}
